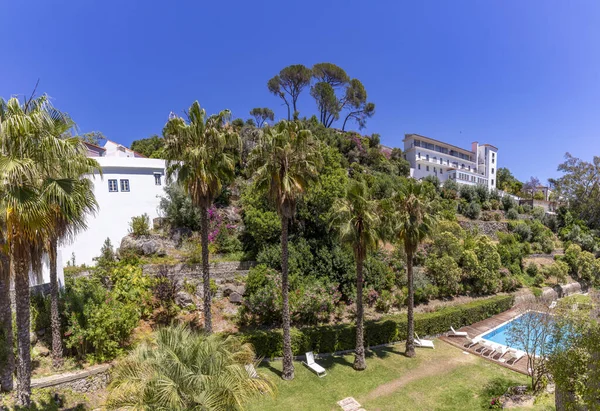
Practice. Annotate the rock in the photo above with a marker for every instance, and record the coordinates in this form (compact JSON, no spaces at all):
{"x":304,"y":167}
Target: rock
{"x":548,"y":294}
{"x":33,"y":338}
{"x":236,"y":298}
{"x":229,"y":289}
{"x":183,"y":299}
{"x":42,"y":351}
{"x":143,"y":245}
{"x":158,"y":222}
{"x":180,"y":234}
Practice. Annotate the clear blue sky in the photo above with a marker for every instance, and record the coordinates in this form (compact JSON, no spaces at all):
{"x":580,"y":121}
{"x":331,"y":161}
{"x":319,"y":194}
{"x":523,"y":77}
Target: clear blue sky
{"x":522,"y":75}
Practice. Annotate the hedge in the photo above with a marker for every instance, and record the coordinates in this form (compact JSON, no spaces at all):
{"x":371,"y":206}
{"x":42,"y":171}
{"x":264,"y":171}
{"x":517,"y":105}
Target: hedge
{"x":332,"y":338}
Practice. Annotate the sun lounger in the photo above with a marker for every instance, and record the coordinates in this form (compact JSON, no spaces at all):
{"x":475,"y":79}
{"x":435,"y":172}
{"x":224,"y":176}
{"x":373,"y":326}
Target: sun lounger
{"x":513,"y":356}
{"x":499,"y":351}
{"x":423,"y":343}
{"x":310,"y":363}
{"x":471,"y":342}
{"x":454,"y":333}
{"x":488,"y":347}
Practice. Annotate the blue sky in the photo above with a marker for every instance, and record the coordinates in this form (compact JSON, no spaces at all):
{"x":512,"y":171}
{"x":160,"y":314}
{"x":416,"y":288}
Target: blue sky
{"x":522,"y":75}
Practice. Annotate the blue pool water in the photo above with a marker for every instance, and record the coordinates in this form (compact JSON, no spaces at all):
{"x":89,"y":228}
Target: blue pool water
{"x":501,"y":334}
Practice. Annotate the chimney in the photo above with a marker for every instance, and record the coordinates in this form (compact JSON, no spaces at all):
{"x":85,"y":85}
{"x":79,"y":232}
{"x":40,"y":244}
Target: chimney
{"x":474,"y":146}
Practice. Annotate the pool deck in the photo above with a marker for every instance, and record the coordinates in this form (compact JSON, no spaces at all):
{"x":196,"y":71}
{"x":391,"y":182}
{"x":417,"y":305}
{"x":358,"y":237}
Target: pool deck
{"x":482,"y":327}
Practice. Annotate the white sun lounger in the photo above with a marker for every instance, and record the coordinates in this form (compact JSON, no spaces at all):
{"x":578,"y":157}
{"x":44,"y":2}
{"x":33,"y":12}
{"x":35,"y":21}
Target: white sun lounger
{"x":489,"y":347}
{"x":310,"y":363}
{"x":454,"y":333}
{"x":423,"y":343}
{"x":471,"y":342}
{"x":514,"y":355}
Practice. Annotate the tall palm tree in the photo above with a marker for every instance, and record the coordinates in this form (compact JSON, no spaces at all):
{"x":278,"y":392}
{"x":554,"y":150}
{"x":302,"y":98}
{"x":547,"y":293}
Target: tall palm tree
{"x":187,"y":371}
{"x":28,"y":149}
{"x":7,"y":358}
{"x":70,"y":200}
{"x":413,"y":221}
{"x":359,"y":225}
{"x":286,"y":159}
{"x":201,"y":154}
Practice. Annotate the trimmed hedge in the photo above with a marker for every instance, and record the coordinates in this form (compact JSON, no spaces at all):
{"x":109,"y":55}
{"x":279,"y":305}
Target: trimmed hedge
{"x":332,"y":338}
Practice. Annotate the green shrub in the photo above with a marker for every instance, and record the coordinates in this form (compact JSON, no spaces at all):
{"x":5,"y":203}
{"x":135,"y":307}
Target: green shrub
{"x":472,"y":211}
{"x":487,"y":216}
{"x":512,"y":214}
{"x":497,"y":216}
{"x":538,"y":213}
{"x":331,"y":338}
{"x":508,"y":203}
{"x":140,"y":225}
{"x":532,"y":269}
{"x":495,"y":204}
{"x":385,"y":302}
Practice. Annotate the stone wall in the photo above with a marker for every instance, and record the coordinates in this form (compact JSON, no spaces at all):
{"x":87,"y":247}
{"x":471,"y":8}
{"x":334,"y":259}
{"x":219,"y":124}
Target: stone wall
{"x":92,"y":379}
{"x":218,"y":271}
{"x":489,"y":228}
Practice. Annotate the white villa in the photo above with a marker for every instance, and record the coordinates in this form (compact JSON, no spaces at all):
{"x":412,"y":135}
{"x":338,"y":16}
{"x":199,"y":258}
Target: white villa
{"x":131,"y":185}
{"x":429,"y":157}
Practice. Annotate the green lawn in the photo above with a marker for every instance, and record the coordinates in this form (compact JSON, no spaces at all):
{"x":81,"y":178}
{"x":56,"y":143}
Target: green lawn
{"x":440,"y":379}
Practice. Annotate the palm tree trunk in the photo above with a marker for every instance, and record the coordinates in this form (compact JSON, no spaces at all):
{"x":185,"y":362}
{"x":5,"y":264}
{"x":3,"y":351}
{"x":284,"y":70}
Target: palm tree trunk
{"x":7,"y":357}
{"x":205,"y":270}
{"x":288,"y":365}
{"x":359,"y":358}
{"x":410,"y":337}
{"x":57,"y":347}
{"x":21,"y":278}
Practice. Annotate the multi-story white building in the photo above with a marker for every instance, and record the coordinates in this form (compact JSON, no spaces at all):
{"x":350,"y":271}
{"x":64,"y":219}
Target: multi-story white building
{"x":429,"y":157}
{"x":131,"y":185}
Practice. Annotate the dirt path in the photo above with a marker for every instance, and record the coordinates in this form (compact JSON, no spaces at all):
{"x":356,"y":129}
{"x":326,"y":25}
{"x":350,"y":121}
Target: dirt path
{"x":427,"y":370}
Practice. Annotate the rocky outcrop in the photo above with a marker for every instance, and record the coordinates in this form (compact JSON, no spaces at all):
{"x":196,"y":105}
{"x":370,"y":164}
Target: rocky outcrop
{"x":489,"y":228}
{"x":145,"y":245}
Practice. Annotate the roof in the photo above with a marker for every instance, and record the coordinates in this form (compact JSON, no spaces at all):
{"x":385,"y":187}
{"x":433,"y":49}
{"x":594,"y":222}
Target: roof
{"x":94,"y":145}
{"x":437,"y":141}
{"x":127,"y":148}
{"x":489,"y":145}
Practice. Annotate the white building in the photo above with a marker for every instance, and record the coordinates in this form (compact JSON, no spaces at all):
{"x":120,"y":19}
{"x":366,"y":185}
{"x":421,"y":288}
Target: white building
{"x":131,"y":185}
{"x":429,"y":157}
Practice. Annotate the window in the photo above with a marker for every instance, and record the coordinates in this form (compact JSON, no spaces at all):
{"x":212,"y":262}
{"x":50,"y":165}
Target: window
{"x":441,"y":171}
{"x":112,"y":186}
{"x":434,"y":170}
{"x":157,"y":177}
{"x":419,"y":155}
{"x":492,"y":171}
{"x":419,"y":166}
{"x":492,"y":182}
{"x":124,"y":185}
{"x":427,"y":168}
{"x":427,"y":157}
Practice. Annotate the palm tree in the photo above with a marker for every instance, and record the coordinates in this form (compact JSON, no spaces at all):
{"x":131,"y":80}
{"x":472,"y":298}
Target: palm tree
{"x":359,"y":222}
{"x":286,"y":159}
{"x":28,"y":149}
{"x":413,"y":221}
{"x":201,"y":154}
{"x":7,"y":358}
{"x":187,"y":371}
{"x":70,"y":199}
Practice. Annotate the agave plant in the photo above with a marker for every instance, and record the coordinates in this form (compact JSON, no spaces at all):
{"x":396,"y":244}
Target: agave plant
{"x":184,"y":370}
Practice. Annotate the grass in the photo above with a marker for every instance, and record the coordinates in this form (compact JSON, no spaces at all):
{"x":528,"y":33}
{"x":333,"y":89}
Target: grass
{"x":440,"y":379}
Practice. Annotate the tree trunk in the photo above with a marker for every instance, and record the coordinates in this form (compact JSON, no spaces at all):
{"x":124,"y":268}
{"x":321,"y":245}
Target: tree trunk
{"x":288,"y":365}
{"x":205,"y":270}
{"x":57,"y":347}
{"x":21,"y":278}
{"x":7,"y":357}
{"x":359,"y":358}
{"x":410,"y":335}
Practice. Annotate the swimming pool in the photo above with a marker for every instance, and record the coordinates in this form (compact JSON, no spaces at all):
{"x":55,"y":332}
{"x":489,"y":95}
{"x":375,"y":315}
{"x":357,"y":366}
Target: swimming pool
{"x":501,"y":334}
